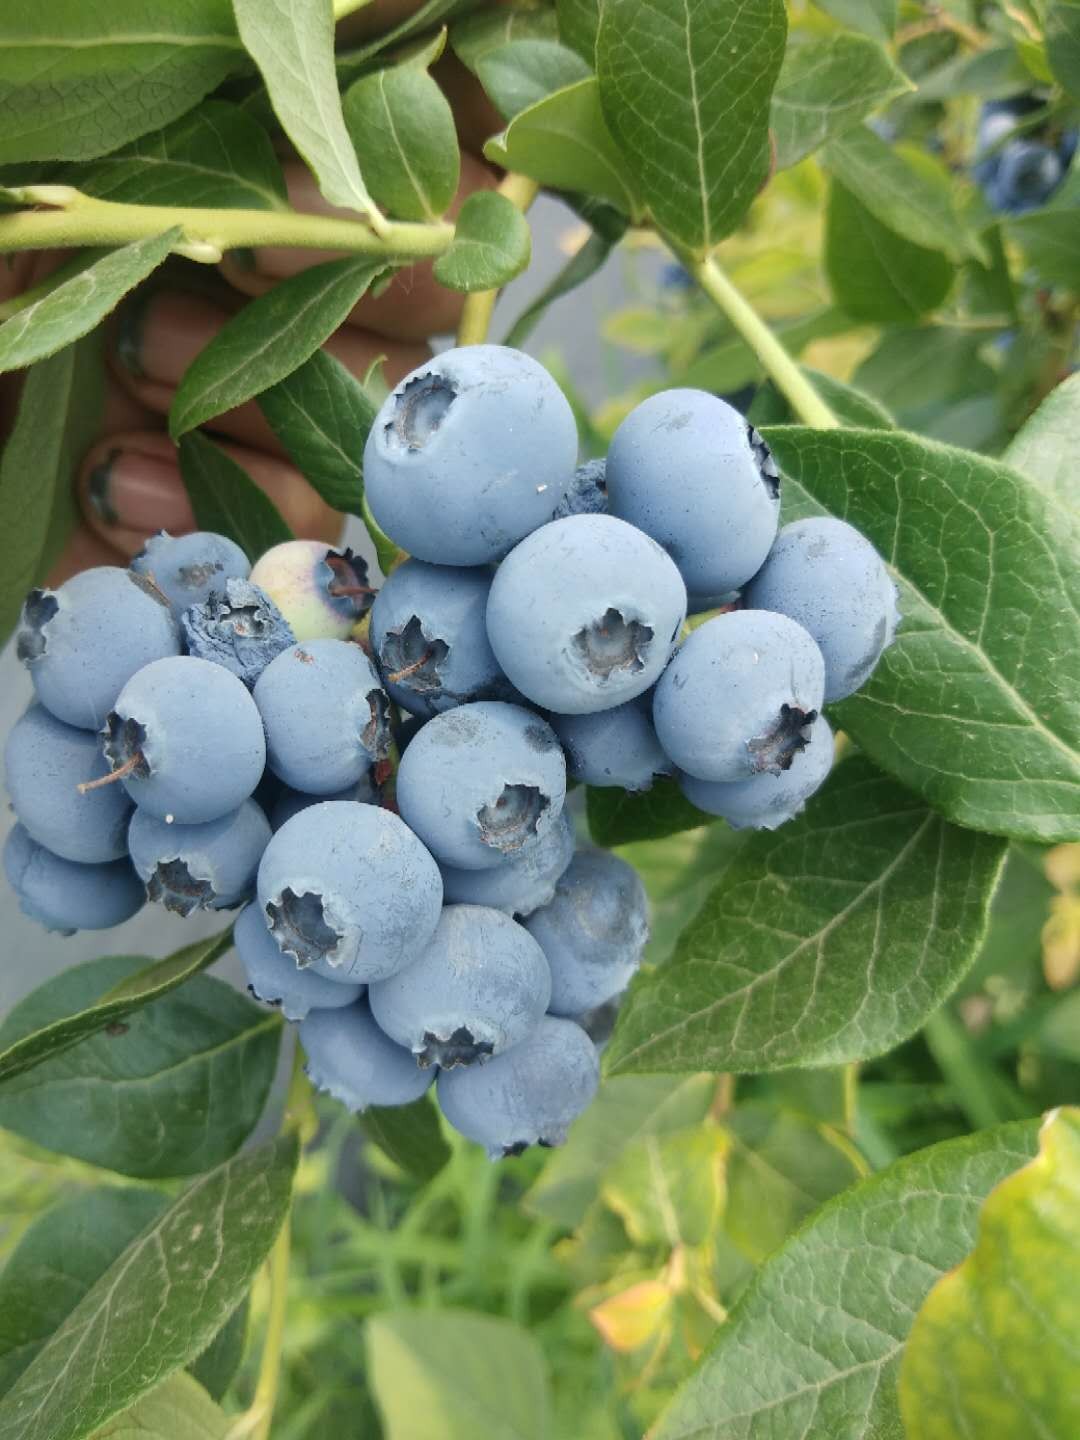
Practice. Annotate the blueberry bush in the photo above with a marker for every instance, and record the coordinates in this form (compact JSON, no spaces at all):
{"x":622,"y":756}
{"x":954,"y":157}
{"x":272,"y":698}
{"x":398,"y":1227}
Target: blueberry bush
{"x":769,"y":1018}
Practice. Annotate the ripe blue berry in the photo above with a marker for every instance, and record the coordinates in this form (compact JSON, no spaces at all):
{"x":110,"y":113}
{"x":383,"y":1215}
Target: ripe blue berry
{"x":593,"y":932}
{"x":587,"y":494}
{"x":468,"y":454}
{"x":519,"y":886}
{"x":44,"y":762}
{"x":613,"y":747}
{"x":325,"y":713}
{"x":350,"y":1058}
{"x":199,"y":867}
{"x":685,"y":467}
{"x":276,"y":979}
{"x":740,"y":696}
{"x":429,"y":633}
{"x":84,"y":641}
{"x":239,"y":627}
{"x":321,"y":592}
{"x":529,"y":1095}
{"x":349,"y":889}
{"x":583,"y":614}
{"x":482,"y":784}
{"x":826,"y":576}
{"x":188,"y":568}
{"x":65,"y":896}
{"x":480,"y":986}
{"x":188,"y":737}
{"x":767,"y":801}
{"x":290,"y":802}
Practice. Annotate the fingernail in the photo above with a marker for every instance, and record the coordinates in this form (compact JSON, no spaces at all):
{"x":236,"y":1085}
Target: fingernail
{"x":161,"y":334}
{"x":243,"y":257}
{"x":139,"y":492}
{"x":130,"y":322}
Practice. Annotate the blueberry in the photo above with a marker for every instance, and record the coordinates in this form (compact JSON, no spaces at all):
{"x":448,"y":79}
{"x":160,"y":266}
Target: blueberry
{"x":84,"y":641}
{"x":321,"y":591}
{"x":291,"y":802}
{"x":44,"y":762}
{"x":587,"y":494}
{"x":521,"y":885}
{"x":480,"y":986}
{"x":199,"y":867}
{"x":765,"y":802}
{"x":276,"y":979}
{"x":350,"y":1058}
{"x":583,"y":614}
{"x":740,"y":696}
{"x":349,"y":889}
{"x":482,"y":784}
{"x":613,"y":747}
{"x":825,"y":575}
{"x":239,"y":627}
{"x":187,"y":568}
{"x":593,"y":932}
{"x":65,"y":896}
{"x":326,"y":715}
{"x":429,"y":634}
{"x":1028,"y":173}
{"x":685,"y":467}
{"x":188,"y":738}
{"x":528,"y":1096}
{"x":471,"y":451}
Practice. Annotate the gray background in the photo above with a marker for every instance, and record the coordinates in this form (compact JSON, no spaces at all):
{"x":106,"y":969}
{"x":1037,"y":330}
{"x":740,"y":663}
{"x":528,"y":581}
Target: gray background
{"x":28,"y":954}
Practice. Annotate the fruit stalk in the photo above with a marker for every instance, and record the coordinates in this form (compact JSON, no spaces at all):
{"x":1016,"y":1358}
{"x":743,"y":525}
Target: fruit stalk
{"x":480,"y":305}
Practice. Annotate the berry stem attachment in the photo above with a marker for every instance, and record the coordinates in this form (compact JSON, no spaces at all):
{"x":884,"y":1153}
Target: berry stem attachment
{"x":121,"y":772}
{"x":480,"y":305}
{"x":407,"y":670}
{"x":781,"y":368}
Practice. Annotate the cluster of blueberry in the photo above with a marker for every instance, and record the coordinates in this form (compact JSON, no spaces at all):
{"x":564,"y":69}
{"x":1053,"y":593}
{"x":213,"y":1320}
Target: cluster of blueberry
{"x":1018,"y":168}
{"x":249,"y":716}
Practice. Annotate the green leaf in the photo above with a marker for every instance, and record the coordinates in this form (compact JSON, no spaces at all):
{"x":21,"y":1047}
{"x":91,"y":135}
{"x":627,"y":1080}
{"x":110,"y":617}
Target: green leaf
{"x":581,"y":265}
{"x":63,"y":1253}
{"x":154,"y":979}
{"x":805,"y":952}
{"x":178,"y":1409}
{"x":410,"y":1135}
{"x":77,"y":305}
{"x":477,"y":35}
{"x":618,"y":817}
{"x":402,"y":127}
{"x":517,"y":75}
{"x":1045,"y":450}
{"x":826,"y":86}
{"x":322,"y":415}
{"x":701,"y":167}
{"x":905,"y":189}
{"x":668,"y":1190}
{"x":917,"y":373}
{"x":876,"y":275}
{"x":269,"y":339}
{"x":59,"y":411}
{"x":972,"y":705}
{"x":1048,"y":237}
{"x":732,"y":364}
{"x":491,"y":244}
{"x":992,"y":1352}
{"x":563,"y":142}
{"x":161,"y":1302}
{"x":78,"y":80}
{"x":171,"y":1089}
{"x":579,"y":23}
{"x":421,"y":21}
{"x":813,"y":1347}
{"x":216,"y":1368}
{"x":292,"y":43}
{"x":872,"y":17}
{"x":226,"y":500}
{"x":848,"y":403}
{"x":1063,"y":43}
{"x":992,"y":74}
{"x":624,"y":1112}
{"x":449,"y":1375}
{"x":217,"y":156}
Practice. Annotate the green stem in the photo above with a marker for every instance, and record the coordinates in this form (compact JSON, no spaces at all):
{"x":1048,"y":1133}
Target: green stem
{"x":480,"y":305}
{"x":73,"y":219}
{"x":807,"y":404}
{"x":266,"y":1387}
